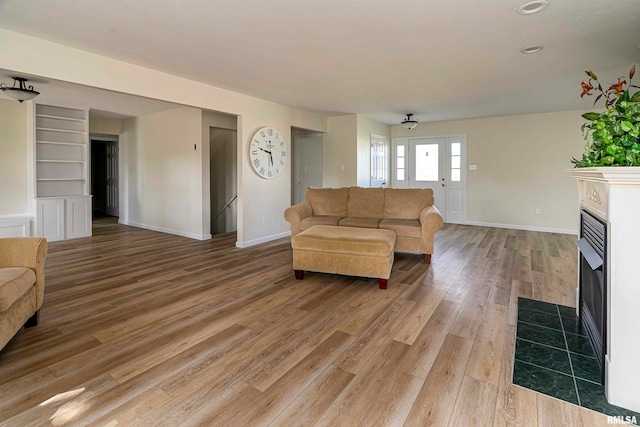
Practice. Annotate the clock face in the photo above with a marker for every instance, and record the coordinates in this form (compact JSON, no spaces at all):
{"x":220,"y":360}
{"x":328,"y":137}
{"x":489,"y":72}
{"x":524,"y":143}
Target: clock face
{"x":268,"y":152}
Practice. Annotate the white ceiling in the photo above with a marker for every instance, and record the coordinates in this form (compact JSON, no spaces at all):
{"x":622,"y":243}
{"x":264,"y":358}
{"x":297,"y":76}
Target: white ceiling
{"x":439,"y":59}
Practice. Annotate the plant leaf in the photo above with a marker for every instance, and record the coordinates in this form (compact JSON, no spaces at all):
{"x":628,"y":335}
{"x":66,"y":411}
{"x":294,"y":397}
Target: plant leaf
{"x":635,"y":97}
{"x":597,"y":98}
{"x":591,"y":116}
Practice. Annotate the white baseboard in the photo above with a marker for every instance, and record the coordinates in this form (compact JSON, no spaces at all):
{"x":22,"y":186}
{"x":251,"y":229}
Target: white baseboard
{"x":523,"y":227}
{"x":166,"y":230}
{"x":263,"y":239}
{"x":15,"y":225}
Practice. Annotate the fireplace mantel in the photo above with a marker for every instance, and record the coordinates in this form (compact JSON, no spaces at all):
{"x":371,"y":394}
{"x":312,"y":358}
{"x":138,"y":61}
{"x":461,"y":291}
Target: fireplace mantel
{"x":614,"y":175}
{"x":613,"y":194}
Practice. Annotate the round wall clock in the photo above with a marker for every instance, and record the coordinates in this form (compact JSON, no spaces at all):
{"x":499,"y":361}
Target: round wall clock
{"x":268,"y":152}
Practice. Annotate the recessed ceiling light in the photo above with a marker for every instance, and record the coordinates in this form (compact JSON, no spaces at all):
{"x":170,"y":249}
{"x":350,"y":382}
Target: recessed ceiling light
{"x":531,"y":49}
{"x":531,"y":7}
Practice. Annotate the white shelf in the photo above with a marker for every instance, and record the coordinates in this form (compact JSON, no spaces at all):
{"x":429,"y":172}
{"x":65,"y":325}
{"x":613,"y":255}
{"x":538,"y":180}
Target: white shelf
{"x":60,"y":179}
{"x":49,"y":116}
{"x":61,"y":143}
{"x":62,"y":130}
{"x":59,"y":161}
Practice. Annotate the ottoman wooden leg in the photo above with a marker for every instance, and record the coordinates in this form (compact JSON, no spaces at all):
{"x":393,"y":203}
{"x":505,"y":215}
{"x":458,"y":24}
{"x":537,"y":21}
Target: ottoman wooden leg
{"x":427,"y":258}
{"x":299,"y":274}
{"x":382,"y":283}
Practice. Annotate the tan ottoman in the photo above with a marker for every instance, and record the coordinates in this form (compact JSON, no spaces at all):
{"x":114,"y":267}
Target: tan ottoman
{"x":364,"y":252}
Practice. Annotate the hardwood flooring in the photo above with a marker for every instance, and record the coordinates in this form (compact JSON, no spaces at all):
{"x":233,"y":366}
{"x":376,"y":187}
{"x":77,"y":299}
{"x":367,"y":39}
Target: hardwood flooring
{"x":146,"y":328}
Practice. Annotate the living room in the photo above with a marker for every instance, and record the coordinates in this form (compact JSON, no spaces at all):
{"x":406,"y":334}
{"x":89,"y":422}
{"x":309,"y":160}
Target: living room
{"x":519,"y":183}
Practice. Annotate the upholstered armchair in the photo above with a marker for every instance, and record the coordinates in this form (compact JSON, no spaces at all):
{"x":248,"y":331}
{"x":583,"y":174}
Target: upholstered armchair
{"x":21,"y":283}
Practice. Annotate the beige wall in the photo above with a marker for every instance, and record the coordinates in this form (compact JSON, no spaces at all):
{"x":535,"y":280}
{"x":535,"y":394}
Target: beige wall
{"x":261,"y":202}
{"x":366,"y":127}
{"x":163,"y":183}
{"x":104,"y":126}
{"x":521,"y":166}
{"x":14,"y":194}
{"x":340,"y":151}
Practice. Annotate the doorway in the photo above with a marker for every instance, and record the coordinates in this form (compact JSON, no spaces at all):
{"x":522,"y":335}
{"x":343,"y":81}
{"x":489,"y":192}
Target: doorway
{"x":307,"y":162}
{"x":104,"y":176}
{"x":438,"y":163}
{"x":223,"y":179}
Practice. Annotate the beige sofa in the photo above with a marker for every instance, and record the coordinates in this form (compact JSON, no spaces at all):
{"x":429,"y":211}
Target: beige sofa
{"x":21,"y":283}
{"x":409,"y":212}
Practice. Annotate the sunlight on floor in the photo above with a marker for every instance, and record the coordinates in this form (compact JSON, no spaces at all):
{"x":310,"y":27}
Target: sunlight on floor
{"x":67,"y":411}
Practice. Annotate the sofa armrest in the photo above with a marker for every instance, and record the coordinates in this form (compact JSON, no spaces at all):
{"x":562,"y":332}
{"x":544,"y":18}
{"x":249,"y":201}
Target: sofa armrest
{"x":26,"y":252}
{"x":430,"y":221}
{"x":295,"y":214}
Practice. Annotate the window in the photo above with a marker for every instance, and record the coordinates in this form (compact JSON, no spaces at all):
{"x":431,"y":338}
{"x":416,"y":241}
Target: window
{"x":400,"y":163}
{"x":456,"y":156}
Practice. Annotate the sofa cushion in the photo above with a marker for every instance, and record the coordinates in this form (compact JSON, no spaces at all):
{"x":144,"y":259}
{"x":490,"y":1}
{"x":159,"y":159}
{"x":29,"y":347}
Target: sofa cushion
{"x":328,"y":201}
{"x":360,"y":222}
{"x":310,"y":221}
{"x":14,"y":283}
{"x":406,"y":203}
{"x":402,"y":227}
{"x":365,"y":203}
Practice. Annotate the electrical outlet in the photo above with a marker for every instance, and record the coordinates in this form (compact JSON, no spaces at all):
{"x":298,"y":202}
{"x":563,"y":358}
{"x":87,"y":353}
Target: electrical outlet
{"x":538,"y":211}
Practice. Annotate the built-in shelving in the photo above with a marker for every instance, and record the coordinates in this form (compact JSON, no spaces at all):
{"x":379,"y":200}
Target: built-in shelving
{"x":61,"y":152}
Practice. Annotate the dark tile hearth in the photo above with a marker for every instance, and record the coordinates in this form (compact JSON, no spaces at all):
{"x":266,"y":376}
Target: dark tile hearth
{"x":553,"y":356}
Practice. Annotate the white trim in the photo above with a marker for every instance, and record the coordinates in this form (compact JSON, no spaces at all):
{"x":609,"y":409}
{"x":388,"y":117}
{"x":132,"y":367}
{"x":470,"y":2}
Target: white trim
{"x":523,"y":227}
{"x":166,"y":230}
{"x":263,"y":240}
{"x":15,"y":225}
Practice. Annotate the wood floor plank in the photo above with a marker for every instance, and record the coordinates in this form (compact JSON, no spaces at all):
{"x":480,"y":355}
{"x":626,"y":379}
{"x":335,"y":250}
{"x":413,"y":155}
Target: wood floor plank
{"x":145,"y":328}
{"x":515,"y":406}
{"x":435,"y":402}
{"x":486,"y":355}
{"x":475,"y":404}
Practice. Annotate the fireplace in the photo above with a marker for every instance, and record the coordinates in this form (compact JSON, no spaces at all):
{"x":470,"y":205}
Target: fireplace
{"x":610,"y":202}
{"x":592,"y":289}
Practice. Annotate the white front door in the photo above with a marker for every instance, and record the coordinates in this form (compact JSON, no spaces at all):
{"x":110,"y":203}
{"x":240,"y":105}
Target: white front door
{"x":436,"y":163}
{"x":428,"y":167}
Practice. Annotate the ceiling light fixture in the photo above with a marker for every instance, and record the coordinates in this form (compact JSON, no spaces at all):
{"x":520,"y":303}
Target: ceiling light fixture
{"x":409,"y":123}
{"x":20,"y":93}
{"x":531,"y":7}
{"x":531,"y":49}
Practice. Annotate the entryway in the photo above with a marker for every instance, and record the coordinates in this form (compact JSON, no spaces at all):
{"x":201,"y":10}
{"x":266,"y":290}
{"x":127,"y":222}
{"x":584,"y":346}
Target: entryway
{"x":307,"y":162}
{"x":223,"y":179}
{"x":104,"y":176}
{"x":438,"y":163}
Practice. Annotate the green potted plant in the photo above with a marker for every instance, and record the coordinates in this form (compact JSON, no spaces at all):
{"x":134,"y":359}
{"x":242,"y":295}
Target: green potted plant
{"x":612,"y":135}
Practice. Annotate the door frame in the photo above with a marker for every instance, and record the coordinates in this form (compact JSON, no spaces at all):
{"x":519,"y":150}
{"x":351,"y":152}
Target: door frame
{"x":461,"y":138}
{"x":107,"y":139}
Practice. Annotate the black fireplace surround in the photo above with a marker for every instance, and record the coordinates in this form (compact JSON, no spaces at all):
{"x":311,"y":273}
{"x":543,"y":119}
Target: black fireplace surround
{"x":593,"y":284}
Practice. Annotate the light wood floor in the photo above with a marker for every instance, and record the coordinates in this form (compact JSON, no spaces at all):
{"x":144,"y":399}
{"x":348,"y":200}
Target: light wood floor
{"x":154,"y":329}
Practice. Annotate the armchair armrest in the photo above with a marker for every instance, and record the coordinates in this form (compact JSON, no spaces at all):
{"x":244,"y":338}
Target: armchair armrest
{"x":430,"y":221}
{"x":26,"y":252}
{"x":296,"y":213}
